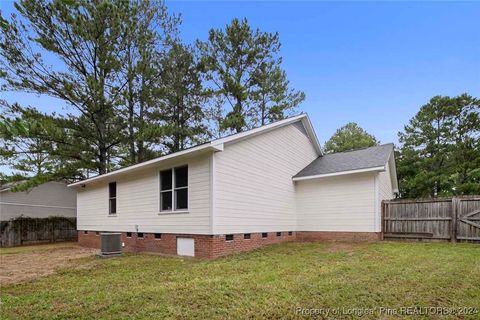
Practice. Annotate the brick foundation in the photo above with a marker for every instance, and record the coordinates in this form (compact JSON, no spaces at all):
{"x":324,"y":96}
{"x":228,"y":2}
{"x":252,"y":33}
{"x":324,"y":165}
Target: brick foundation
{"x":206,"y":246}
{"x":338,"y":236}
{"x":214,"y":246}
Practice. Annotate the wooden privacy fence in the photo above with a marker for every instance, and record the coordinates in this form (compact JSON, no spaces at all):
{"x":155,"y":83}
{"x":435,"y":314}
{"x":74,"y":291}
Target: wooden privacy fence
{"x":24,"y":230}
{"x":453,"y":219}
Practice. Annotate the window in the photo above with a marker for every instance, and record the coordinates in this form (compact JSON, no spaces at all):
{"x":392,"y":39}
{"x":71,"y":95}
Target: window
{"x":279,"y":234}
{"x":85,"y":232}
{"x":166,"y":190}
{"x":181,"y":188}
{"x":264,"y":235}
{"x":97,"y":233}
{"x":158,"y":236}
{"x":247,"y":236}
{"x":229,"y":237}
{"x":140,"y":235}
{"x":129,"y":234}
{"x":112,"y":198}
{"x":174,"y":189}
{"x":290,"y":233}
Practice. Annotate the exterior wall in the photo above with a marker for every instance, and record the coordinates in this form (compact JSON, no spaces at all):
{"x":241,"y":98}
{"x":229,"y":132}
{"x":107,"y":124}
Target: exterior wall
{"x":138,"y":196}
{"x":385,"y":185}
{"x":254,"y":191}
{"x":340,"y":204}
{"x":247,"y":188}
{"x":206,"y":246}
{"x":48,"y":199}
{"x":384,"y":191}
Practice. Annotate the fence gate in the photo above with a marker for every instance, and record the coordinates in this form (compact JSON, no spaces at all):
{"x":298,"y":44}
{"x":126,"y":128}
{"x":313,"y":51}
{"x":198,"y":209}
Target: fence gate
{"x":453,"y":219}
{"x":468,"y":218}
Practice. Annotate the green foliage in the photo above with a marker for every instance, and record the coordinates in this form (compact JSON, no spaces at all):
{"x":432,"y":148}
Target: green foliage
{"x":440,"y":153}
{"x":86,"y":37}
{"x":181,"y":100}
{"x":272,"y":95}
{"x":243,"y":68}
{"x":132,"y":91}
{"x":23,"y":149}
{"x":153,"y":33}
{"x":349,"y":137}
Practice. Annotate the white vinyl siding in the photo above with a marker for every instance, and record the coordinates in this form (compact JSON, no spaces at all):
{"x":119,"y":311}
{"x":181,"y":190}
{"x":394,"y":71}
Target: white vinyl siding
{"x":385,"y":184}
{"x":385,"y":191}
{"x":342,"y":203}
{"x":138,"y":196}
{"x":254,"y":191}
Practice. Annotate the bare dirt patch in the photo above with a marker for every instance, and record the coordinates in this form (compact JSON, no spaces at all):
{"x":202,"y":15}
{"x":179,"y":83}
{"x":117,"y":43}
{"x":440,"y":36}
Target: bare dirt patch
{"x":26,"y":266}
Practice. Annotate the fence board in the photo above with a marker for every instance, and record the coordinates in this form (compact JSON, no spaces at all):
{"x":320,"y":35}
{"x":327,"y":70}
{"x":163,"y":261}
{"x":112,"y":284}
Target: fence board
{"x":423,"y":219}
{"x":24,"y":230}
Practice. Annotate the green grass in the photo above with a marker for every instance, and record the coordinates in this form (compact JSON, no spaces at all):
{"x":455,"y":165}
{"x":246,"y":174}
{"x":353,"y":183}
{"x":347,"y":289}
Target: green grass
{"x":268,"y":283}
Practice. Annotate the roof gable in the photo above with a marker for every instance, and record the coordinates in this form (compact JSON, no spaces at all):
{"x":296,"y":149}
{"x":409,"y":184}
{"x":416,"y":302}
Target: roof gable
{"x":360,"y":160}
{"x":215,"y":145}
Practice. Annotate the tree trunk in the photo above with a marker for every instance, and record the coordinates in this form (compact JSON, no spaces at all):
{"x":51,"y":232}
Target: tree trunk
{"x":238,"y":113}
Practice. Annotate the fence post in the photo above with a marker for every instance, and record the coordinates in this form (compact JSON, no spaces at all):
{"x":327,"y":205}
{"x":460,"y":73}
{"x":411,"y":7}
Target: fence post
{"x":453,"y":223}
{"x":21,"y":231}
{"x":382,"y":222}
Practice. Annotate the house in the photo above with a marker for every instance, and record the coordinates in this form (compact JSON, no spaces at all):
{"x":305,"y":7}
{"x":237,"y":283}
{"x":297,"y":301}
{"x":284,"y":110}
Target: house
{"x":263,"y":186}
{"x":46,"y":200}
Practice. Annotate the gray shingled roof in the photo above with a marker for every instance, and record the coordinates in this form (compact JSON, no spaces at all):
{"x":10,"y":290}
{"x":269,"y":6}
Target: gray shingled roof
{"x":350,"y":160}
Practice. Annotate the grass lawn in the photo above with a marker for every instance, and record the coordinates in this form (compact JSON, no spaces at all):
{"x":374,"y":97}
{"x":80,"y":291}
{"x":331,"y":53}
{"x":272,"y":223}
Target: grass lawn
{"x":267,"y":283}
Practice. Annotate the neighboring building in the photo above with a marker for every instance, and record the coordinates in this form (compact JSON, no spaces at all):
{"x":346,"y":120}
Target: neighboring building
{"x":45,"y":200}
{"x":262,"y":186}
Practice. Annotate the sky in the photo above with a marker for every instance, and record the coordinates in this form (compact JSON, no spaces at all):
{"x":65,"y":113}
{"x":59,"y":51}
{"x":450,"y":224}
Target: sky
{"x":374,"y":63}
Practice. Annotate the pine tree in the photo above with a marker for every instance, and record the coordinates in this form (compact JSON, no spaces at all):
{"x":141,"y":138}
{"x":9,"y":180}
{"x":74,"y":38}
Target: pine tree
{"x":440,"y":153}
{"x":182,"y":100}
{"x":243,"y":68}
{"x":85,"y":36}
{"x":153,"y":33}
{"x":273,"y":98}
{"x":106,"y":57}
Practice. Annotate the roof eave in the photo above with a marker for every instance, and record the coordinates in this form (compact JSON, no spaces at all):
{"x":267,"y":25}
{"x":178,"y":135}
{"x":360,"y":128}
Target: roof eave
{"x":339,"y":173}
{"x":311,"y":133}
{"x":393,"y":172}
{"x":214,"y":147}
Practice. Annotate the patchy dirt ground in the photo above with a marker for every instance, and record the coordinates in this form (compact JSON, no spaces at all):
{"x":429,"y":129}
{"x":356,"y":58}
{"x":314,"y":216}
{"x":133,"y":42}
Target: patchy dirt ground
{"x":33,"y":262}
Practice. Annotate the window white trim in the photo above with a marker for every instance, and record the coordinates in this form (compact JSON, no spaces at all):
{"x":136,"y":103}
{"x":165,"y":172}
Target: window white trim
{"x":174,"y":210}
